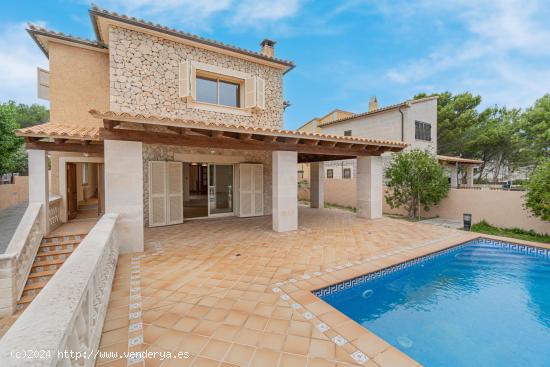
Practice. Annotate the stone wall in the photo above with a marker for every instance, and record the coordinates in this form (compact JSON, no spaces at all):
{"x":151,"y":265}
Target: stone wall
{"x":154,"y":152}
{"x":144,"y":79}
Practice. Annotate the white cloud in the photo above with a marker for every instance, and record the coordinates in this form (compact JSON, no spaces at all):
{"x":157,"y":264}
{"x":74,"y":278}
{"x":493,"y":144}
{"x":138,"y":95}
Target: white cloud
{"x":19,"y":57}
{"x":497,"y":57}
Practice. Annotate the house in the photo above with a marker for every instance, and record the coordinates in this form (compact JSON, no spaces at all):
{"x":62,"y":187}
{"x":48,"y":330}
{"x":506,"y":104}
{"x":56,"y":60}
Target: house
{"x":165,"y":126}
{"x":413,"y":122}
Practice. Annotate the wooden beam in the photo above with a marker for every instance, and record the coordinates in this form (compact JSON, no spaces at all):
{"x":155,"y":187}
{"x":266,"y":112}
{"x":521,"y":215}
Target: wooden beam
{"x":85,"y":142}
{"x":59,"y":141}
{"x":200,"y":132}
{"x":224,"y":143}
{"x":310,"y":142}
{"x":77,"y":148}
{"x":245,"y":136}
{"x":110,"y":124}
{"x":328,"y":143}
{"x":217,"y":134}
{"x":270,"y":139}
{"x":291,"y":140}
{"x":177,"y":130}
{"x":31,"y":139}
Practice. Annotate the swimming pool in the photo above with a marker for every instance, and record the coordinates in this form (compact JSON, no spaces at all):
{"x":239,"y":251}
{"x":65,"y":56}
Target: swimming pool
{"x":482,"y":303}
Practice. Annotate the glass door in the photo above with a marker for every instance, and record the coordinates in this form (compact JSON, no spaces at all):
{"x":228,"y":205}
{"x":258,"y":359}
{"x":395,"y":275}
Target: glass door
{"x":220,"y":189}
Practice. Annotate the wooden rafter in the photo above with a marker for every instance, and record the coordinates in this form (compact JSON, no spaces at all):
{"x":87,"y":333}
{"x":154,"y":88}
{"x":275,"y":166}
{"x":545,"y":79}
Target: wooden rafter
{"x":67,"y":147}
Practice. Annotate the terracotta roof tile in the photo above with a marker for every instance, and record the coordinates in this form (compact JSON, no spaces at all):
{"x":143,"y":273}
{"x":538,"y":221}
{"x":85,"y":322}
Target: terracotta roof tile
{"x":53,"y":130}
{"x":97,"y":11}
{"x":160,"y":120}
{"x":36,"y":31}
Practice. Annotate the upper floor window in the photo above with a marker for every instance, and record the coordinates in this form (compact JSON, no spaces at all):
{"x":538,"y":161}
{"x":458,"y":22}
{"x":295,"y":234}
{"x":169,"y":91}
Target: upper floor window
{"x":346,"y":173}
{"x":422,"y":131}
{"x":347,"y":133}
{"x":218,"y":91}
{"x":330,"y":173}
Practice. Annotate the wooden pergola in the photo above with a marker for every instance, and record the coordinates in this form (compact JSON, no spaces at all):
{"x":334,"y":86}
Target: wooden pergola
{"x":311,"y":147}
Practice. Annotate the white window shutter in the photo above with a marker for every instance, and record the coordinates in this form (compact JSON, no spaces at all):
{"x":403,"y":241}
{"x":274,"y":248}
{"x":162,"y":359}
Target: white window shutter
{"x":193,"y":82}
{"x":43,"y":84}
{"x":251,"y":193}
{"x":157,"y":194}
{"x":250,"y":92}
{"x":258,"y":180}
{"x":260,"y":93}
{"x":184,"y":90}
{"x":174,"y":203}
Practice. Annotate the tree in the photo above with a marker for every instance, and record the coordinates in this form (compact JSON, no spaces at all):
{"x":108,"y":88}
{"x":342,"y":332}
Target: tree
{"x":535,"y":127}
{"x":9,"y":143}
{"x":415,"y":178}
{"x":537,"y":195}
{"x":30,"y":115}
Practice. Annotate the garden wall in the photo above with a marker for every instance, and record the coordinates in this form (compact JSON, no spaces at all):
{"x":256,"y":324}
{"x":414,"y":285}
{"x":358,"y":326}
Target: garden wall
{"x":499,"y":208}
{"x":15,"y":193}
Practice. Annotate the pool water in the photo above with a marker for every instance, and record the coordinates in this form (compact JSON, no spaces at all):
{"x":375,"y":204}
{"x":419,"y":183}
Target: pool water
{"x":485,"y":303}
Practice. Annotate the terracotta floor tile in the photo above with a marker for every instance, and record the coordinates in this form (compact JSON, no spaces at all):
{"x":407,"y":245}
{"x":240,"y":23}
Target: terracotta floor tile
{"x":256,"y":322}
{"x":264,"y":358}
{"x":272,"y":341}
{"x":204,"y":362}
{"x":322,"y":349}
{"x":300,"y":328}
{"x":320,"y":362}
{"x":248,"y":337}
{"x":206,"y":328}
{"x":296,"y":344}
{"x":170,"y":340}
{"x":392,"y":357}
{"x":185,"y":324}
{"x":215,"y":349}
{"x":193,"y":343}
{"x":292,"y":360}
{"x":239,"y":354}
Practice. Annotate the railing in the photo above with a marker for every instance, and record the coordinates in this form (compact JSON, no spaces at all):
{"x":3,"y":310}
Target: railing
{"x":55,"y":212}
{"x":16,"y":263}
{"x":64,"y":322}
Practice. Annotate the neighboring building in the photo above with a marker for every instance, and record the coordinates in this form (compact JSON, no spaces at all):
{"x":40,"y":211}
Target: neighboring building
{"x":314,"y":124}
{"x":413,"y":122}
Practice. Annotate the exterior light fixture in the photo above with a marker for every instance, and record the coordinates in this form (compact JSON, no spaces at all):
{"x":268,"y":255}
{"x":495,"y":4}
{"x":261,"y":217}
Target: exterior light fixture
{"x":467,"y":219}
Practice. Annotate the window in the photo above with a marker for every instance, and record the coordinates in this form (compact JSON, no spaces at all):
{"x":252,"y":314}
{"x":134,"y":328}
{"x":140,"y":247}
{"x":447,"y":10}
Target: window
{"x":216,"y":91}
{"x":422,"y":131}
{"x":347,"y":133}
{"x":300,"y":174}
{"x":330,"y":173}
{"x":346,"y":173}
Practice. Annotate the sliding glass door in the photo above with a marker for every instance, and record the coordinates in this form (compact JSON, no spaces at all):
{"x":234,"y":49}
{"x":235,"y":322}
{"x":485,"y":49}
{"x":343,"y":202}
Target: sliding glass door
{"x":220,"y":189}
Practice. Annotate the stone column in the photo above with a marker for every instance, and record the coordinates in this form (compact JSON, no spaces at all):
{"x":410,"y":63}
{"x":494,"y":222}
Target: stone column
{"x":470,"y":176}
{"x":285,"y":191}
{"x":369,"y":187}
{"x":454,"y":176}
{"x":317,"y":184}
{"x":124,"y":191}
{"x":39,"y":190}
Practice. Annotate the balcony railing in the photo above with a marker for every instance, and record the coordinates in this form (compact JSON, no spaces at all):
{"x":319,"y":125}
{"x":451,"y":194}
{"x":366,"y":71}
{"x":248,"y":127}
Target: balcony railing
{"x":55,"y":212}
{"x":65,"y":320}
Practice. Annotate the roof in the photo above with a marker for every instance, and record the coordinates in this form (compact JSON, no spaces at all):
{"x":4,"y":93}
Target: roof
{"x":96,"y":12}
{"x":185,"y":123}
{"x":53,"y":130}
{"x":449,"y":159}
{"x":396,"y":106}
{"x":327,"y":114}
{"x":40,"y":35}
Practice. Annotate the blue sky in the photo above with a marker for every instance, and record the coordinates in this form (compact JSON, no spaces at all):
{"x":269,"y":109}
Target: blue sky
{"x":345,"y":51}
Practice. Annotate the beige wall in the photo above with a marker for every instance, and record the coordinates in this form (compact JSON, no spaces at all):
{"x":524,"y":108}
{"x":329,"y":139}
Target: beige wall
{"x":499,"y":208}
{"x":79,"y":81}
{"x":15,"y":193}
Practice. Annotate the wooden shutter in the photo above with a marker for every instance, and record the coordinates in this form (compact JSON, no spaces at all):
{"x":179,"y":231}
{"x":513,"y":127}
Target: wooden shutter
{"x":43,"y":84}
{"x":174,"y":202}
{"x":260,"y":93}
{"x":251,"y":191}
{"x":157,"y":194}
{"x":184,"y":90}
{"x":258,"y":188}
{"x":250,"y":92}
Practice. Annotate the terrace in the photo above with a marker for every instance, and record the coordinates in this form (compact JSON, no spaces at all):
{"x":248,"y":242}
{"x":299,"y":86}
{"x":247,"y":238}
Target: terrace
{"x":207,"y":288}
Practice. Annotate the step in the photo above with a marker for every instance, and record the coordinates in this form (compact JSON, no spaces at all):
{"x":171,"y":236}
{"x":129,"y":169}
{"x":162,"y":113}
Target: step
{"x":25,"y":300}
{"x":48,"y":262}
{"x":61,"y":242}
{"x":54,"y":247}
{"x":29,"y":287}
{"x":54,"y":253}
{"x":42,"y":268}
{"x":44,"y":273}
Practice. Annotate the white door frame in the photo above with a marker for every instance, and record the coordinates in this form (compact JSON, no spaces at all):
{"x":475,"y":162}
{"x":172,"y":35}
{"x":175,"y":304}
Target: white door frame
{"x":63,"y":178}
{"x":229,"y":214}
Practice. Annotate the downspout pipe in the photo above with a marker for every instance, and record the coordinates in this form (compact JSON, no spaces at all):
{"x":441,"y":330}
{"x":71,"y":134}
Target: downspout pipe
{"x":402,"y":124}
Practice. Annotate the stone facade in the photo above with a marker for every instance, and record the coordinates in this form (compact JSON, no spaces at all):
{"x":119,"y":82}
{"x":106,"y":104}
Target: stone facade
{"x":144,"y":79}
{"x":157,"y":152}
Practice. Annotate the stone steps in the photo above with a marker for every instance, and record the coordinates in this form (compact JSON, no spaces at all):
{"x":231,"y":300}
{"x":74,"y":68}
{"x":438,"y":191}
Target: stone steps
{"x":52,"y":253}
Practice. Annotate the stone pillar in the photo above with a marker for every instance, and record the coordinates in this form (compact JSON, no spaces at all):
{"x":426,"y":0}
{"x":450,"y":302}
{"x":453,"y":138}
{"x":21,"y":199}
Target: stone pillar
{"x":124,"y":191}
{"x":185,"y":168}
{"x":369,"y":187}
{"x":470,"y":176}
{"x":285,"y":191}
{"x":317,"y":184}
{"x":454,"y":176}
{"x":39,"y":190}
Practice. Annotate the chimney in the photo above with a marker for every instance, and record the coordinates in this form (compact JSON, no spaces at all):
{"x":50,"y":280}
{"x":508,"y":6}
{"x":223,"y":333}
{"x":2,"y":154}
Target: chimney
{"x":373,"y":103}
{"x":268,"y":48}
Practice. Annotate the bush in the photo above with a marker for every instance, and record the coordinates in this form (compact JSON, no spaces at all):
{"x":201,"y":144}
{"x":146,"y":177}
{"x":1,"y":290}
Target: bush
{"x":415,"y":178}
{"x":537,"y":196}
